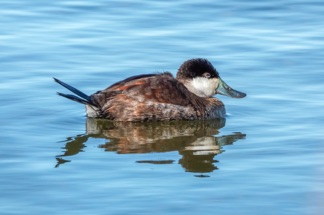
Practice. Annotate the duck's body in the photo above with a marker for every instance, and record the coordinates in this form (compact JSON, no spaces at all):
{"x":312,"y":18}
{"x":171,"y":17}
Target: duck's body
{"x":160,"y":96}
{"x":153,"y":97}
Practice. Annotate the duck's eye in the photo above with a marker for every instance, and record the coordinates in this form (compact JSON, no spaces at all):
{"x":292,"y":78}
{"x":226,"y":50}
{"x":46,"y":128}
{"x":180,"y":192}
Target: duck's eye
{"x":206,"y":75}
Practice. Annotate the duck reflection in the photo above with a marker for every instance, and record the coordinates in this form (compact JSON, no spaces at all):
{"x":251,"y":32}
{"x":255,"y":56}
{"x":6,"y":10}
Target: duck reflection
{"x":194,"y":140}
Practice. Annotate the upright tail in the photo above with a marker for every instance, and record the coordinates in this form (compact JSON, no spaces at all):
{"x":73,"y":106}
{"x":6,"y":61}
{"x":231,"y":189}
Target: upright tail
{"x":78,"y":97}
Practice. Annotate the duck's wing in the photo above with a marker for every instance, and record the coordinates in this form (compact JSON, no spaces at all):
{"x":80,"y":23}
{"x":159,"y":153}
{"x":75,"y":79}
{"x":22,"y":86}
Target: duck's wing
{"x":157,"y":88}
{"x":130,"y":81}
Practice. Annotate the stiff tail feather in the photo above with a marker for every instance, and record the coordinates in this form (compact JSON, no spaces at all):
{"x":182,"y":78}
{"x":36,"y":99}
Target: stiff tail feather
{"x":78,"y":97}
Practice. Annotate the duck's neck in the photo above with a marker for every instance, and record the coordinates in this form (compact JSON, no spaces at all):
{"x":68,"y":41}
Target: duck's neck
{"x":196,"y":97}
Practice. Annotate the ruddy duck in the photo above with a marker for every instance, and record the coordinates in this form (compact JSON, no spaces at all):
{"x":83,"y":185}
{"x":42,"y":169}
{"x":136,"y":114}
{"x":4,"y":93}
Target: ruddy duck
{"x":158,"y":97}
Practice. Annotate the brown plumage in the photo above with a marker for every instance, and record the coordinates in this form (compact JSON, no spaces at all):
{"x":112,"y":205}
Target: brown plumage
{"x":158,"y":96}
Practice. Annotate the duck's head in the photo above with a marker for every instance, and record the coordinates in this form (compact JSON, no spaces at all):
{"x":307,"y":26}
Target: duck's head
{"x":202,"y":79}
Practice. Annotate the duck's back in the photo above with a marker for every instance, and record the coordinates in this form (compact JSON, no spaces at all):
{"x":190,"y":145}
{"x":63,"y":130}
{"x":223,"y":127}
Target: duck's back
{"x":146,"y":98}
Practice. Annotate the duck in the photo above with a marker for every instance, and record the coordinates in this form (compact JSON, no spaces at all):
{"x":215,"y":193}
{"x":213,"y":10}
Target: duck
{"x":160,"y":96}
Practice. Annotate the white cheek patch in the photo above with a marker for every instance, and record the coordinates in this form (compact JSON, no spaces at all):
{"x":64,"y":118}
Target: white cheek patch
{"x":204,"y":86}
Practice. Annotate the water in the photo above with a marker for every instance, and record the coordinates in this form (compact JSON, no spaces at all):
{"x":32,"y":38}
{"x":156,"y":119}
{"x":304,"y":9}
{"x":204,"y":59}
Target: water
{"x":266,"y":158}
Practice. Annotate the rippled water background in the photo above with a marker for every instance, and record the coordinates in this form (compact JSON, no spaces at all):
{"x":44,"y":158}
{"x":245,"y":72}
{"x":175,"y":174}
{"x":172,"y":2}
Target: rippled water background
{"x":267,"y":158}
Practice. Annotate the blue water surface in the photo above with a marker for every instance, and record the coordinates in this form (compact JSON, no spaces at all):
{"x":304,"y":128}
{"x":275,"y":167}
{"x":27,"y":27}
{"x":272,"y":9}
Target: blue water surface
{"x":266,"y":158}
